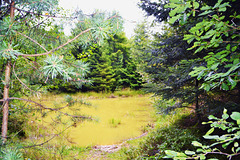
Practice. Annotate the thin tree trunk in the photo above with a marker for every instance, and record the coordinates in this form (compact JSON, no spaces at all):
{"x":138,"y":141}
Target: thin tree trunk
{"x":6,"y":102}
{"x":197,"y":101}
{"x":6,"y":87}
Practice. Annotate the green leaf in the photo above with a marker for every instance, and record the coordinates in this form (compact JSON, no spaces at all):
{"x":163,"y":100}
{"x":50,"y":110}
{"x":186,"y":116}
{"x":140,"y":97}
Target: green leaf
{"x":205,"y":13}
{"x":238,"y":149}
{"x":207,"y":87}
{"x":195,"y":5}
{"x":235,"y":116}
{"x":171,"y":5}
{"x":234,"y":48}
{"x":238,"y":16}
{"x":190,"y":153}
{"x":223,"y":9}
{"x":214,"y":66}
{"x":212,"y":117}
{"x":210,"y":131}
{"x":206,"y":7}
{"x":225,"y":87}
{"x":225,"y":115}
{"x":199,"y":49}
{"x":199,"y":150}
{"x":236,"y":61}
{"x":217,"y":4}
{"x":211,"y":136}
{"x":200,"y":75}
{"x":236,"y":144}
{"x":232,"y":82}
{"x":202,"y":157}
{"x":171,"y":153}
{"x":173,"y":19}
{"x":196,"y":144}
{"x":233,"y":68}
{"x":173,"y":12}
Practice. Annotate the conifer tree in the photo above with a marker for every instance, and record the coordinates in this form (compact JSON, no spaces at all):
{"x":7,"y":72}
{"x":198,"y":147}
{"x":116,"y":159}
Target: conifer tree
{"x":116,"y":49}
{"x":19,"y":50}
{"x":103,"y":75}
{"x":125,"y":68}
{"x":174,"y":56}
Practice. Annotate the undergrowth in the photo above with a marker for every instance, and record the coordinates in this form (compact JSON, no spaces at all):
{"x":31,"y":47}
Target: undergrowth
{"x":61,"y":152}
{"x":169,"y":134}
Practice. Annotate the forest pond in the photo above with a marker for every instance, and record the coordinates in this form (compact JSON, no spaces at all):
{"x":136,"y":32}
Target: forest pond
{"x":115,"y":119}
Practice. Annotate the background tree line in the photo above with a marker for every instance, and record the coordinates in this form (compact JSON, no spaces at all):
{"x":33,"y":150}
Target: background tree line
{"x":111,"y":66}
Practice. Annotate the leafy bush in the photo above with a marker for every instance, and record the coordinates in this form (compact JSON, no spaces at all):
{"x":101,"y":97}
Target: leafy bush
{"x":171,"y":137}
{"x":225,"y":146}
{"x":165,"y":106}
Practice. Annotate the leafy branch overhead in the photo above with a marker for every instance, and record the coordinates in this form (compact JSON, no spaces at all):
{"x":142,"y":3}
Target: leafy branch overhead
{"x":32,"y":48}
{"x":96,"y":28}
{"x":214,"y":32}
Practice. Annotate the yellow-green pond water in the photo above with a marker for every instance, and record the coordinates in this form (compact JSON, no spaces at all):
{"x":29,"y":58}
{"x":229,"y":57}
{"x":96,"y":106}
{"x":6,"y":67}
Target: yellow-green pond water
{"x":118,"y":119}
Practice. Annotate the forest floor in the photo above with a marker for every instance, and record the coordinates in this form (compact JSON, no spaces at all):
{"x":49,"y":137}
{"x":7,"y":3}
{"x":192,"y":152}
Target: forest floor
{"x":101,"y":152}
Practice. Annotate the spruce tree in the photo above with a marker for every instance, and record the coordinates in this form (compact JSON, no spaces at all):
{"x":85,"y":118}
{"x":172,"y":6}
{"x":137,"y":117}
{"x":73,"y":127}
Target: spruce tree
{"x":102,"y":76}
{"x":171,"y":61}
{"x":122,"y":62}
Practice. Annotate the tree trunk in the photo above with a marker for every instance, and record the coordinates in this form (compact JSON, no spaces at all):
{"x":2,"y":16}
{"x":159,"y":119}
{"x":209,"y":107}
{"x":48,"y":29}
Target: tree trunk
{"x":6,"y":87}
{"x":197,"y":101}
{"x":6,"y":101}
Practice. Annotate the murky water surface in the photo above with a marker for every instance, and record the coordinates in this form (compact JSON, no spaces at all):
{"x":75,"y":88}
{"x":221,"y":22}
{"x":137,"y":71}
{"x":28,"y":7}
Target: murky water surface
{"x":117,"y":119}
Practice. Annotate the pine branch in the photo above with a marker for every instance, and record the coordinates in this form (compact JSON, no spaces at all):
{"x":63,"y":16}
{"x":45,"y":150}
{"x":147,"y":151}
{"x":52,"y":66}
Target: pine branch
{"x":40,"y":144}
{"x":44,"y":107}
{"x":22,"y":81}
{"x":32,"y":41}
{"x":59,"y":47}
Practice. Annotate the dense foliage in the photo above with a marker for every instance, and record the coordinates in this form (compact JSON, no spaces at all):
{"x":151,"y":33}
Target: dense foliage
{"x":195,"y":61}
{"x":224,"y":146}
{"x":190,"y":56}
{"x":32,"y":57}
{"x":111,"y":65}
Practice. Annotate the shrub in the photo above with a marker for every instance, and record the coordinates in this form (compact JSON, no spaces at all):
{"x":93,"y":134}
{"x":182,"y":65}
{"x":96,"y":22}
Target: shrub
{"x":224,"y":146}
{"x":161,"y":139}
{"x":171,"y":137}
